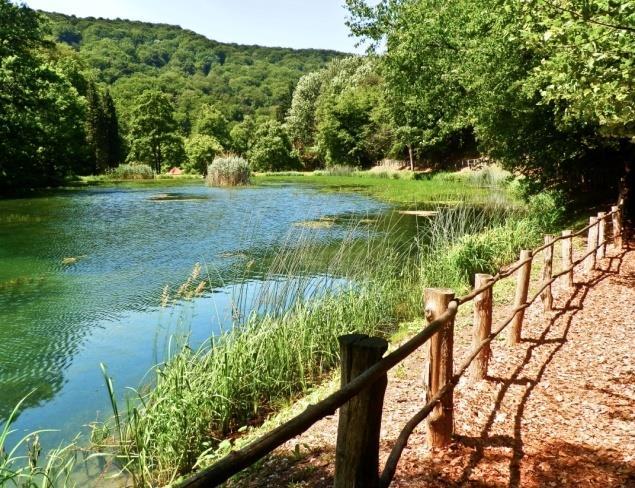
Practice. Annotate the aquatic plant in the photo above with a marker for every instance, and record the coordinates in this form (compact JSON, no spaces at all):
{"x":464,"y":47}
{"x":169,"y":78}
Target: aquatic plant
{"x":32,"y":469}
{"x":229,"y":170}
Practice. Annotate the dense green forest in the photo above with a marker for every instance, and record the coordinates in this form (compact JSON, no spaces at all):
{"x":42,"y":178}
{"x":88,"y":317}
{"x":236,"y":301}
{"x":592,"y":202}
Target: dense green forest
{"x":131,"y":57}
{"x":80,"y":96}
{"x":544,"y":88}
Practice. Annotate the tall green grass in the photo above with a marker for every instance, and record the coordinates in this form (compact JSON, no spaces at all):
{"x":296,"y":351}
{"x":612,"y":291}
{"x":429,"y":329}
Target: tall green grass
{"x":465,"y":240}
{"x":131,"y":172}
{"x":288,"y":343}
{"x":285,"y":346}
{"x":24,"y":465}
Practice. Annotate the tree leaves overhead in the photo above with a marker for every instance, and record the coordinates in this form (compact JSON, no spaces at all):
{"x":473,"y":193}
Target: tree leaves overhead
{"x":546,"y":85}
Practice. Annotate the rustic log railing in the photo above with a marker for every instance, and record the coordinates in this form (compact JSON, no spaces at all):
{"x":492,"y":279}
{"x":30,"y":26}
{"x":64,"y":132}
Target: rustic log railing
{"x":364,"y":370}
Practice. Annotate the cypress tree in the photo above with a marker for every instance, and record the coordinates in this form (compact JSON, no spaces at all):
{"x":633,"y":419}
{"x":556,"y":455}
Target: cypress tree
{"x":95,"y":129}
{"x":112,"y":138}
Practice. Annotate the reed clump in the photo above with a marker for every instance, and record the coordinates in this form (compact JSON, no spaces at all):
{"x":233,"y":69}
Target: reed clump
{"x":228,"y":170}
{"x":23,"y":464}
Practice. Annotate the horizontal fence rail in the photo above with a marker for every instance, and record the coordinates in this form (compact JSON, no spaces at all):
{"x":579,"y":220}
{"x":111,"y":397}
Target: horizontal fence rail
{"x":364,"y":370}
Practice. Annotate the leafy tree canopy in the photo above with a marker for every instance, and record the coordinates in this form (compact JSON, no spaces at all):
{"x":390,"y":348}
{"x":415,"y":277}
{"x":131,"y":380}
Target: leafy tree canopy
{"x":154,"y":138}
{"x":271,"y":148}
{"x":41,"y":112}
{"x":543,"y":84}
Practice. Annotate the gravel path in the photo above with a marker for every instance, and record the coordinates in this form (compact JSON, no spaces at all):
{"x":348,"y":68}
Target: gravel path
{"x":557,"y":410}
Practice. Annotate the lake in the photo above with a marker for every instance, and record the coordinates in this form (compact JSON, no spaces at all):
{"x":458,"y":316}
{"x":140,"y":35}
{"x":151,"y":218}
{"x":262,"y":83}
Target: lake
{"x":82,"y":274}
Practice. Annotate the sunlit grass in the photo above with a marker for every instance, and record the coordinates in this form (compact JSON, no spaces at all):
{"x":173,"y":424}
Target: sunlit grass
{"x":22,"y":464}
{"x":406,"y":191}
{"x":284,"y":340}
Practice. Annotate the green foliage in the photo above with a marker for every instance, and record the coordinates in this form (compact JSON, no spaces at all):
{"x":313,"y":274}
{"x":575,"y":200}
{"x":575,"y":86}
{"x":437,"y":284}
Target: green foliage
{"x":228,"y":170}
{"x":131,"y":172}
{"x":211,"y":122}
{"x":41,"y":113}
{"x":154,"y":139}
{"x":132,"y":57}
{"x":201,"y":150}
{"x":102,"y":130}
{"x":337,"y":115}
{"x":271,"y":148}
{"x":242,"y":135}
{"x":539,"y":84}
{"x":301,"y":119}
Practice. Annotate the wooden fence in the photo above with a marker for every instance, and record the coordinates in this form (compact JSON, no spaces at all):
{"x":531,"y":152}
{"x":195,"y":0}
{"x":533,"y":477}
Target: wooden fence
{"x":364,"y":370}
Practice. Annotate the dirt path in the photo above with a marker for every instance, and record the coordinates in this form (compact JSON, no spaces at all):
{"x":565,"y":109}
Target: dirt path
{"x":557,"y":410}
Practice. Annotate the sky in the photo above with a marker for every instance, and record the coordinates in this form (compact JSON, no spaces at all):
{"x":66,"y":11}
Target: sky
{"x":286,"y":23}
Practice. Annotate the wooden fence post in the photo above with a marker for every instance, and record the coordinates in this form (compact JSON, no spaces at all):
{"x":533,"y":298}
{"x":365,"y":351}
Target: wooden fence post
{"x":441,"y":367}
{"x":567,"y":256}
{"x":547,"y":273}
{"x":591,"y":243}
{"x":617,"y":227}
{"x":522,"y":288}
{"x":601,"y":235}
{"x":482,"y":327}
{"x":357,"y":450}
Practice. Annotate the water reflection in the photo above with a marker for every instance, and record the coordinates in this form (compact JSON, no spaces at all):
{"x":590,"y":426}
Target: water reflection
{"x":82,"y":273}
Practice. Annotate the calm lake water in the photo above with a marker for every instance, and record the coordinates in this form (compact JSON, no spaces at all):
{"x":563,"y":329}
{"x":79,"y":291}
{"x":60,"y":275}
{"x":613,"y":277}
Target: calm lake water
{"x":82,"y":274}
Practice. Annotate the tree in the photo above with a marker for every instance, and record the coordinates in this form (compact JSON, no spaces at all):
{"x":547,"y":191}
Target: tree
{"x":271,"y":149}
{"x":113,"y":147}
{"x":352,"y":127}
{"x":153,"y":132}
{"x":211,"y":122}
{"x":201,"y":150}
{"x":42,"y":135}
{"x":301,"y":118}
{"x":242,"y":135}
{"x":96,"y":130}
{"x":539,"y":84}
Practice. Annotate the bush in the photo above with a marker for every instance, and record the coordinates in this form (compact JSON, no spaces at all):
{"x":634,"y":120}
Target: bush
{"x":228,"y":170}
{"x":271,"y":149}
{"x":201,"y":150}
{"x":131,"y":171}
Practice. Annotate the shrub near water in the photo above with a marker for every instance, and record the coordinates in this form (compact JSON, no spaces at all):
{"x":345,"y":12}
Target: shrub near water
{"x":228,"y":171}
{"x":132,"y":172}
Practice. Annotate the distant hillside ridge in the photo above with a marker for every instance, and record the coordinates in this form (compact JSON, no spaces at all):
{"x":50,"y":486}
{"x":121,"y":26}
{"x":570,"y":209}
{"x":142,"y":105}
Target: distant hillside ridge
{"x":131,"y":56}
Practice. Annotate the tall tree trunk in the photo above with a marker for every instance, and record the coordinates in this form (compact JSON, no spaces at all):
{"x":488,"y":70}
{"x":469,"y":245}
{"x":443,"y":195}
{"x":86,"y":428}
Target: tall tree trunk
{"x":412,"y":162}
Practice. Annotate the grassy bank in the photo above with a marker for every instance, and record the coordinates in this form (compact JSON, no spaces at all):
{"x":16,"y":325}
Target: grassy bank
{"x":202,"y":397}
{"x":404,"y":188}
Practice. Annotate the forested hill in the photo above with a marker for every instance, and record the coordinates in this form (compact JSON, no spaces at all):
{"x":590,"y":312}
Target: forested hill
{"x":132,"y":56}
